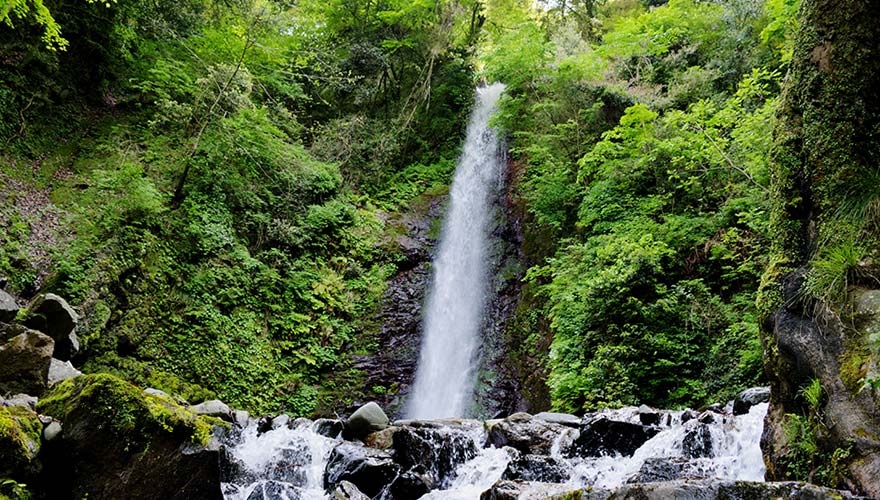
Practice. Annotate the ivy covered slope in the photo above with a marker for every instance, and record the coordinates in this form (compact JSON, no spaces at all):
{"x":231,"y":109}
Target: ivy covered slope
{"x":214,"y":184}
{"x":641,"y":142}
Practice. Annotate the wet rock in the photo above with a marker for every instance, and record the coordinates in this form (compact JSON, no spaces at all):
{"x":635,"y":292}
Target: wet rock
{"x":280,"y":421}
{"x":521,"y":490}
{"x":8,"y":307}
{"x":213,"y":408}
{"x":603,"y":436}
{"x":527,"y":435}
{"x":273,"y":490}
{"x":540,"y":468}
{"x":369,"y":469}
{"x":708,"y":489}
{"x":60,"y":371}
{"x":241,"y":418}
{"x":366,"y":419}
{"x":24,"y":362}
{"x":438,"y":451}
{"x":709,"y":417}
{"x":347,"y":491}
{"x":289,"y":465}
{"x":688,"y":415}
{"x":748,"y":398}
{"x":24,"y":400}
{"x":559,"y":418}
{"x":648,"y":415}
{"x":53,"y":316}
{"x":697,"y":442}
{"x":669,"y":469}
{"x":328,"y":427}
{"x":411,"y":484}
{"x":381,"y":440}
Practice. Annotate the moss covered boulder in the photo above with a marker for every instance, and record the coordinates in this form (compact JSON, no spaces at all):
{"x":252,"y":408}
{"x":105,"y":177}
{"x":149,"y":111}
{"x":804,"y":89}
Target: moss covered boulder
{"x":19,"y":442}
{"x":120,"y":442}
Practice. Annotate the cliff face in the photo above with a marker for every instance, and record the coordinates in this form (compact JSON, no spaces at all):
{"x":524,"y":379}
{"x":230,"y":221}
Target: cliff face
{"x":819,"y":313}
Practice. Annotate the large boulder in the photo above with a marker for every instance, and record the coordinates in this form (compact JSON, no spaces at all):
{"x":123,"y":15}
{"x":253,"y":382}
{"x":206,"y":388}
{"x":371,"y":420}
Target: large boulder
{"x":604,"y":436}
{"x":369,"y":469}
{"x":20,"y":431}
{"x":8,"y":307}
{"x":53,"y":316}
{"x":528,"y":435}
{"x":24,"y":362}
{"x":366,"y":419}
{"x":119,"y":442}
{"x":566,"y":419}
{"x":748,"y":398}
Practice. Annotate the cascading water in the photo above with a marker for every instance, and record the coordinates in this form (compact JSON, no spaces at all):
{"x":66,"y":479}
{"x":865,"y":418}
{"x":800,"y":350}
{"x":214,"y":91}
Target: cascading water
{"x":456,"y":301}
{"x":296,"y":461}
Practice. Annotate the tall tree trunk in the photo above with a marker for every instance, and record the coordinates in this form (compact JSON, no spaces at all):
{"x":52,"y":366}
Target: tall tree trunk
{"x":825,"y":172}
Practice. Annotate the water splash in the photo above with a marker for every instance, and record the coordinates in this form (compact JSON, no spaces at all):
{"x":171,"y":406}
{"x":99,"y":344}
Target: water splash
{"x":456,"y":301}
{"x":283,"y":463}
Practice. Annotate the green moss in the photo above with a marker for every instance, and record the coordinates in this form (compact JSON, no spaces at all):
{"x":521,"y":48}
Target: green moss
{"x":854,"y":365}
{"x":20,"y":431}
{"x":125,"y":410}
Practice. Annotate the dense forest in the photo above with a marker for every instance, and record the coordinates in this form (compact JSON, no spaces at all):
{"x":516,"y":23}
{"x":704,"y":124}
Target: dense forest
{"x":225,"y":189}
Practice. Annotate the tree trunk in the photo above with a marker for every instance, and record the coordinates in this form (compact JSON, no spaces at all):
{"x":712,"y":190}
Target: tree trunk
{"x":825,"y":171}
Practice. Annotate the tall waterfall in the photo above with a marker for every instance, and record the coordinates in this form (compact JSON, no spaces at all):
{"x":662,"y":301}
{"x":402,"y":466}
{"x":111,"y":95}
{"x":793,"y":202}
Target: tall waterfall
{"x":454,"y":311}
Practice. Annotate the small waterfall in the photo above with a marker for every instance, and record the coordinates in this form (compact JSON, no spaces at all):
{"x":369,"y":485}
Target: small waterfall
{"x":286,"y":463}
{"x":456,"y":301}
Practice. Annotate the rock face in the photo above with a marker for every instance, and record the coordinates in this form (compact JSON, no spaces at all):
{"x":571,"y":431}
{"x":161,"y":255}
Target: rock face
{"x":750,"y":397}
{"x":118,"y":442}
{"x":604,"y":436}
{"x":8,"y":307}
{"x":826,"y":350}
{"x":24,"y":361}
{"x":53,"y":316}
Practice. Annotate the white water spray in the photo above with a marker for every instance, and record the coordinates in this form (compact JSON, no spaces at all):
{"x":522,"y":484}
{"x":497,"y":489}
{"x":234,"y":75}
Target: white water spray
{"x":456,"y":302}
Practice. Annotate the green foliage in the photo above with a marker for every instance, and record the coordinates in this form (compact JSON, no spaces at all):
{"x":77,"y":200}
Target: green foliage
{"x":804,"y":457}
{"x":644,"y":175}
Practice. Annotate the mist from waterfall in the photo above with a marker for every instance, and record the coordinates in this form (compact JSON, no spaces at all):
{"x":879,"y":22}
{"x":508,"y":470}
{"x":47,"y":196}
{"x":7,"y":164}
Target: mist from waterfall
{"x":456,"y":301}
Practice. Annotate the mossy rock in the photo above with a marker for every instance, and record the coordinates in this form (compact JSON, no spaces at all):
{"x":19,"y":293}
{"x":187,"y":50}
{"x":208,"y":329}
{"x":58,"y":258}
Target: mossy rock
{"x":118,"y":441}
{"x":122,"y":409}
{"x":20,"y":431}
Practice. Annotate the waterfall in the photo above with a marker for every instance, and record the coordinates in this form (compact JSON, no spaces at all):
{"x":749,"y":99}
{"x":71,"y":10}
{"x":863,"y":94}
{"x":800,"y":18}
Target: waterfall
{"x":456,"y":301}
